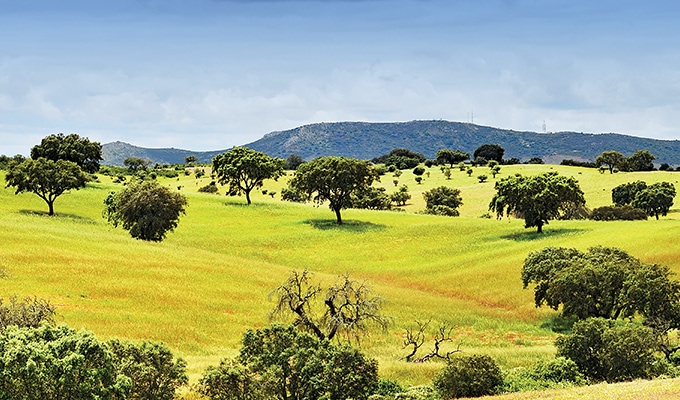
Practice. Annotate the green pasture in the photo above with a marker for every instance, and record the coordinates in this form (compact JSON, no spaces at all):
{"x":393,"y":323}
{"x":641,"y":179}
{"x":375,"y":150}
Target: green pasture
{"x":208,"y":282}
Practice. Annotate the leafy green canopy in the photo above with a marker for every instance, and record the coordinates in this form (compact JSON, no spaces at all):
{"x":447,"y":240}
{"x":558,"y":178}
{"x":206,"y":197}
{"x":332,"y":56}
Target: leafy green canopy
{"x":295,"y":365}
{"x":57,"y":363}
{"x":537,"y":199}
{"x":333,"y":179}
{"x":612,"y":159}
{"x":443,"y":200}
{"x":48,"y":179}
{"x":70,"y":148}
{"x":447,"y":156}
{"x":603,"y":282}
{"x":147,"y":209}
{"x":489,"y":152}
{"x":656,"y":199}
{"x":604,"y":350}
{"x":244,"y":169}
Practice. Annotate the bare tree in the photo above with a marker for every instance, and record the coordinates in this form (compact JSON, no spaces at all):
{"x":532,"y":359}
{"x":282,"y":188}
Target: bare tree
{"x":417,"y":339}
{"x":349,"y":306}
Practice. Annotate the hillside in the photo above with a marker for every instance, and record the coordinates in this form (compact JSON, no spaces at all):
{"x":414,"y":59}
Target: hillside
{"x":368,"y":140}
{"x":115,"y":153}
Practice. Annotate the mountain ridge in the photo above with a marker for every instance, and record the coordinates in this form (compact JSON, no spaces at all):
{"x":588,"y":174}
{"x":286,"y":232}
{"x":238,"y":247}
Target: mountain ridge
{"x":367,"y":140}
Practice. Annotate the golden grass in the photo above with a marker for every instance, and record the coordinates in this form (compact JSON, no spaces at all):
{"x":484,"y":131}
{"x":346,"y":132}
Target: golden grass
{"x":637,"y":390}
{"x":208,"y":282}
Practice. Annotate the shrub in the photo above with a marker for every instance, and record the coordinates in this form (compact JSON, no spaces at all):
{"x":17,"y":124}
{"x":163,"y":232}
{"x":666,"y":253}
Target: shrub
{"x":613,"y":213}
{"x":606,"y":351}
{"x":388,"y":387}
{"x":401,"y":196}
{"x":371,"y":198}
{"x":293,"y":195}
{"x":209,"y":188}
{"x":418,"y":171}
{"x":482,"y":178}
{"x":558,"y":370}
{"x":468,"y":376}
{"x":30,"y":312}
{"x":442,"y":200}
{"x":297,"y":365}
{"x":57,"y":363}
{"x":148,"y":210}
{"x":230,"y":381}
{"x":151,"y":367}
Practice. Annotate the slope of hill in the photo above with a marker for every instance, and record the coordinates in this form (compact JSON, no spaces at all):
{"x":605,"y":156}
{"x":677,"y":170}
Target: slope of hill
{"x":369,"y":140}
{"x":116,"y":152}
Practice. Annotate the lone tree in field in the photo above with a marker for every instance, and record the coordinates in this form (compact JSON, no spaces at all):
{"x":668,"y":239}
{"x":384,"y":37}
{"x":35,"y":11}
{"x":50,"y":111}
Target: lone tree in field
{"x":244,"y":169}
{"x":537,"y":199}
{"x":48,"y":179}
{"x":447,"y":156}
{"x":333,"y":179}
{"x":443,"y":200}
{"x":147,"y":209}
{"x":70,"y":148}
{"x":489,"y":152}
{"x":349,"y":306}
{"x":655,"y":199}
{"x":612,"y":159}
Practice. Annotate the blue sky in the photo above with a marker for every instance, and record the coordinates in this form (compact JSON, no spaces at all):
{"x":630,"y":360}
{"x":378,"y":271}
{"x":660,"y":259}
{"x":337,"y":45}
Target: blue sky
{"x":209,"y":74}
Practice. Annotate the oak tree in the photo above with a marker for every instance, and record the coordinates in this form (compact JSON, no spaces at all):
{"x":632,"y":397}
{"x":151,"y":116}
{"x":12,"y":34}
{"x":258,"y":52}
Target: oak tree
{"x":147,"y":209}
{"x":72,"y":148}
{"x":538,"y":198}
{"x":333,"y":179}
{"x":244,"y":169}
{"x":48,"y":179}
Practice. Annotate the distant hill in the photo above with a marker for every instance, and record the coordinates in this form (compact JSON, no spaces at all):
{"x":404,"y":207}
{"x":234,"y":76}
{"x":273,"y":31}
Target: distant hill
{"x":116,"y":152}
{"x":369,"y":140}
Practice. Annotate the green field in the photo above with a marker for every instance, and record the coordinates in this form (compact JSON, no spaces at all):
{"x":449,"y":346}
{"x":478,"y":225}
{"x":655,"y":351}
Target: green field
{"x":208,"y":282}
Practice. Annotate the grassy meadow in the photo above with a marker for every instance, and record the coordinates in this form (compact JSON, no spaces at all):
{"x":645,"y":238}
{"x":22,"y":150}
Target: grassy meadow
{"x":209,"y":281}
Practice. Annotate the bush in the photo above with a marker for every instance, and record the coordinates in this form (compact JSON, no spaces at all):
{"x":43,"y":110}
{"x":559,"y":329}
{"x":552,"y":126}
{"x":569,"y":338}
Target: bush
{"x":558,"y":370}
{"x":418,"y":171}
{"x":209,"y":188}
{"x":153,"y":372}
{"x":148,"y":210}
{"x":291,"y":364}
{"x":614,"y":213}
{"x":230,"y":381}
{"x":606,"y":351}
{"x":468,"y":376}
{"x":293,"y":195}
{"x":57,"y":363}
{"x":388,"y":387}
{"x":30,"y":312}
{"x":443,"y":200}
{"x":371,"y":198}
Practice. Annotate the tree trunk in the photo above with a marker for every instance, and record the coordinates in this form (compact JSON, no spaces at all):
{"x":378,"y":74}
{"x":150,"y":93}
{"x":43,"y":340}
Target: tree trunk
{"x":539,"y":228}
{"x":338,"y":216}
{"x":247,"y":196}
{"x":50,"y":204}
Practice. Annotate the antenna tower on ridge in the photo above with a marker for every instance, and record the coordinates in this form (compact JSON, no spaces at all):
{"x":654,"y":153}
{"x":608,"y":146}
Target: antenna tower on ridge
{"x":544,"y":127}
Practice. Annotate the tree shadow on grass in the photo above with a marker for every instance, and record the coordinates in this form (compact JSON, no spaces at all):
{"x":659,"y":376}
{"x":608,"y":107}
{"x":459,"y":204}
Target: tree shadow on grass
{"x":73,"y":217}
{"x":347,"y":226}
{"x":547,"y":233}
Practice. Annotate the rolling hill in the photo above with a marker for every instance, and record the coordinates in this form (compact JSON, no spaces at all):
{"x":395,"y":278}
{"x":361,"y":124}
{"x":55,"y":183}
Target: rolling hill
{"x":366,"y":140}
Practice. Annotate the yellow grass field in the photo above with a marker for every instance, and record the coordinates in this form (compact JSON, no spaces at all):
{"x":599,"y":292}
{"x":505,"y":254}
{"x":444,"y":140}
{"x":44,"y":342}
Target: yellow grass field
{"x":209,"y":281}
